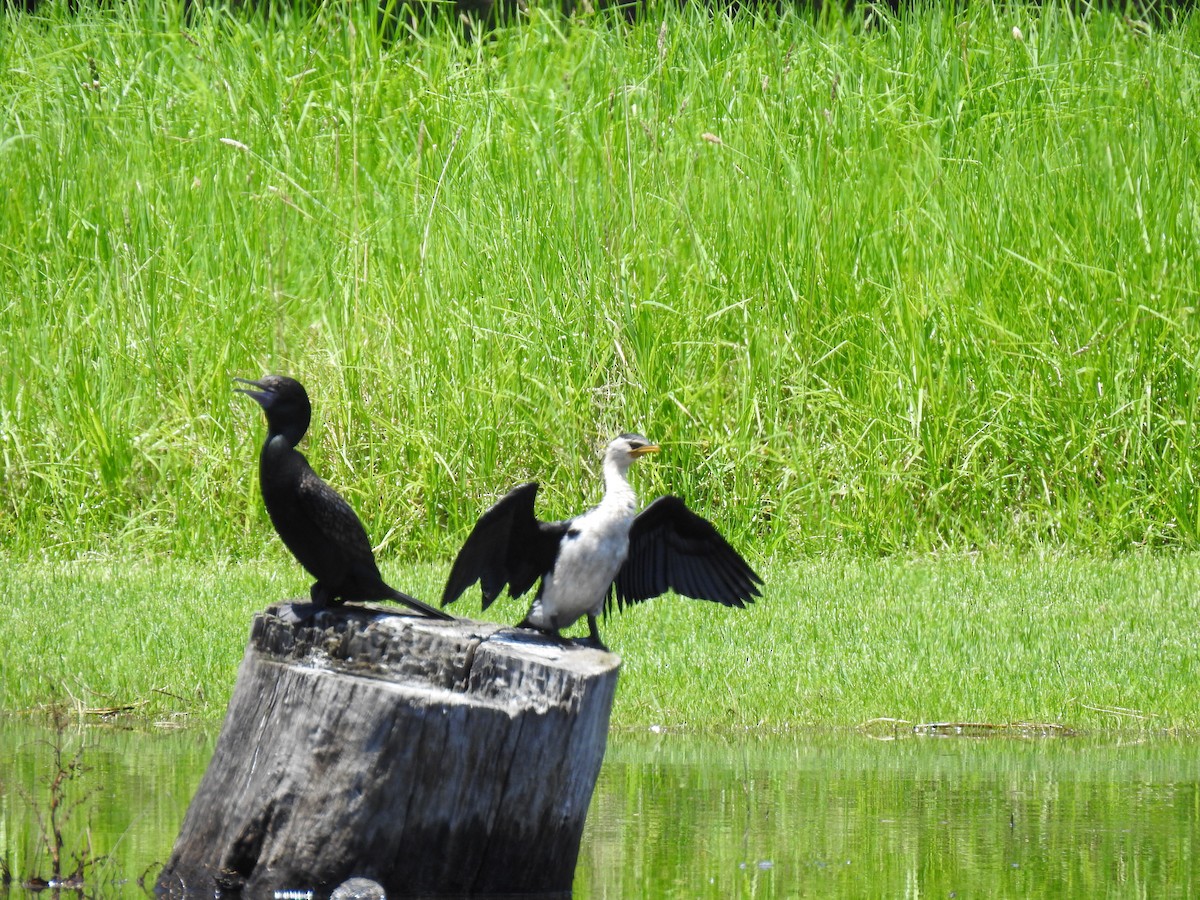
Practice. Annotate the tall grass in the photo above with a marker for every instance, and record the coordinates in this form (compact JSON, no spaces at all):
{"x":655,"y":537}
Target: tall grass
{"x":908,"y":286}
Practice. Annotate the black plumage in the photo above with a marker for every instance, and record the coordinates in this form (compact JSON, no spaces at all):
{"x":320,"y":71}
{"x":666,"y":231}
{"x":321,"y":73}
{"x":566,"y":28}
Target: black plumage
{"x":673,"y":548}
{"x":314,"y":521}
{"x":508,"y":546}
{"x":603,"y":558}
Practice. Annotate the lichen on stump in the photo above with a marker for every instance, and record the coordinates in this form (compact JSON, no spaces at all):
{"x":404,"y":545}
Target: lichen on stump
{"x":451,"y":758}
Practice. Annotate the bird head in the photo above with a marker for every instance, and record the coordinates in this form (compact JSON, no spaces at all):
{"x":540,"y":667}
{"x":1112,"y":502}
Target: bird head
{"x":285,"y":403}
{"x":625,"y":448}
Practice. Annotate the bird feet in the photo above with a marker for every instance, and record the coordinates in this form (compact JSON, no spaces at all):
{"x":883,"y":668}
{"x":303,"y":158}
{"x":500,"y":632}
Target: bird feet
{"x":322,"y":597}
{"x":592,"y":640}
{"x":552,"y":633}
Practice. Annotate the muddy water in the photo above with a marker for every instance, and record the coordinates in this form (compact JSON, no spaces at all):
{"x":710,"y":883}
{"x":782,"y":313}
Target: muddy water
{"x":825,"y":814}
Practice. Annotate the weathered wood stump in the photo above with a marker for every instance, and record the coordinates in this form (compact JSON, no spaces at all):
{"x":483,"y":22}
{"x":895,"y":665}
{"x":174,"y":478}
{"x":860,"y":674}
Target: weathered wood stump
{"x":436,"y":758}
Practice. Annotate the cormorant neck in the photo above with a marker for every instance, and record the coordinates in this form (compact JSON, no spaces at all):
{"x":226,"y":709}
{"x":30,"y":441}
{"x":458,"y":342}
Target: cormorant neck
{"x":617,"y":489}
{"x":275,"y":447}
{"x":291,"y":432}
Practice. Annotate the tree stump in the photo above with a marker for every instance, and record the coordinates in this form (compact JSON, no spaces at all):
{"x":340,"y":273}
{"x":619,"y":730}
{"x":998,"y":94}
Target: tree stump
{"x":436,"y":758}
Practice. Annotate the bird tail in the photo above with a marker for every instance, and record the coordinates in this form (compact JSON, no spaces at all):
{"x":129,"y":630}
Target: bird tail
{"x":420,"y":606}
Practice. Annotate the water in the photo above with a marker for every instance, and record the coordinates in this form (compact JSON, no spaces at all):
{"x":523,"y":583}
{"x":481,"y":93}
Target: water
{"x":843,"y":815}
{"x":130,"y":797}
{"x":827,"y":814}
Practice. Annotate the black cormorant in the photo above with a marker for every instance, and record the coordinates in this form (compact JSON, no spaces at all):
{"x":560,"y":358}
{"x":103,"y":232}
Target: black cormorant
{"x":313,"y":519}
{"x":609,"y":552}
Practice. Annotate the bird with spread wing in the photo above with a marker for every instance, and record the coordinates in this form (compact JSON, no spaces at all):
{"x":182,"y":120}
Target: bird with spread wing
{"x":611,"y":553}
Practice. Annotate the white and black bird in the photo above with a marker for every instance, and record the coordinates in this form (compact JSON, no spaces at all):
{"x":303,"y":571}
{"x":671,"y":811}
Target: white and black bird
{"x":609,"y":553}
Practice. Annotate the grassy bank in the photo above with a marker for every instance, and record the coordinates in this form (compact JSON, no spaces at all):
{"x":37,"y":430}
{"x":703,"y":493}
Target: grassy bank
{"x":920,"y":285}
{"x":1082,"y":643}
{"x":928,"y":285}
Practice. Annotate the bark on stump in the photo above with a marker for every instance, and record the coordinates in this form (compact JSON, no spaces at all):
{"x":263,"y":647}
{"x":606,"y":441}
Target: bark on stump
{"x":436,"y":758}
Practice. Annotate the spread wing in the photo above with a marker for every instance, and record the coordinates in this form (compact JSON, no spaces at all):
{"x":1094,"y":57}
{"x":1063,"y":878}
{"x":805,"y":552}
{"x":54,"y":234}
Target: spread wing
{"x":673,"y":548}
{"x":508,"y":545}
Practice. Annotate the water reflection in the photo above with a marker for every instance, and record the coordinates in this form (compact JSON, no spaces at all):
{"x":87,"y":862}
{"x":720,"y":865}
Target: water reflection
{"x":845,"y":815}
{"x":125,"y":803}
{"x":834,"y":814}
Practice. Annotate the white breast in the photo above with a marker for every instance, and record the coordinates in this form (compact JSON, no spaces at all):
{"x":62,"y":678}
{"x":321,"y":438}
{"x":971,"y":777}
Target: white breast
{"x":588,"y":561}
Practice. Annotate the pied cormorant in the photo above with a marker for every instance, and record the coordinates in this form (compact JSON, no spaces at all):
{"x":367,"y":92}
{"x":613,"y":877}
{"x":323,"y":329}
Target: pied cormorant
{"x":609,"y":553}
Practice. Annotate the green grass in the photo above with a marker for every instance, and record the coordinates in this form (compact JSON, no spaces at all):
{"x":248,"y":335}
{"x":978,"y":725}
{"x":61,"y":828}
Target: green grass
{"x":907,"y":287}
{"x":1083,"y":643}
{"x":1079,"y":642}
{"x":878,"y":291}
